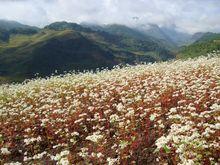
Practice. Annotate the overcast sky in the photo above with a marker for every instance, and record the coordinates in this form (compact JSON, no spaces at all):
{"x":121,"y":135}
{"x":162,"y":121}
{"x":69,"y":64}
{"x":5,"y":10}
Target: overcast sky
{"x":187,"y":15}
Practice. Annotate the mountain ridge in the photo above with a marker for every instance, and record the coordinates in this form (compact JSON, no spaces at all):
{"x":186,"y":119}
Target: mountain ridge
{"x":66,"y":46}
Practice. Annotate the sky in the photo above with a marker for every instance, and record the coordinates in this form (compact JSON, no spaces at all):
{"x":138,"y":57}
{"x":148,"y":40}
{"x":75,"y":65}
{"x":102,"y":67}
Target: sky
{"x":185,"y":15}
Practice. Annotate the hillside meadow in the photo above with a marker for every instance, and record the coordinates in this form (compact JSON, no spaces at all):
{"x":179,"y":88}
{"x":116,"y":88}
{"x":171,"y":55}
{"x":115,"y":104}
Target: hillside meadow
{"x":160,"y":113}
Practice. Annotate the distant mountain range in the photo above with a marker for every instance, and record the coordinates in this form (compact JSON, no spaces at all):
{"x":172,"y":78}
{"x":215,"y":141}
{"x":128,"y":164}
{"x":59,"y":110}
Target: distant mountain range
{"x":168,"y":36}
{"x":62,"y":46}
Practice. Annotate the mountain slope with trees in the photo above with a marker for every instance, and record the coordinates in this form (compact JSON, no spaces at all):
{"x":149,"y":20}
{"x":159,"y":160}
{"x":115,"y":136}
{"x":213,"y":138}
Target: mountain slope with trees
{"x":66,"y":46}
{"x":207,"y":43}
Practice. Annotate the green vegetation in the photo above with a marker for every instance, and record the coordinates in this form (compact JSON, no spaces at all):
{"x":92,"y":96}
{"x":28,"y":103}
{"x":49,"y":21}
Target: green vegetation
{"x":208,"y":43}
{"x":66,"y":46}
{"x":62,"y":46}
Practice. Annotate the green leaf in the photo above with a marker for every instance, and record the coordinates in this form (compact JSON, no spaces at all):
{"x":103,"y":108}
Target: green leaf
{"x":166,"y":149}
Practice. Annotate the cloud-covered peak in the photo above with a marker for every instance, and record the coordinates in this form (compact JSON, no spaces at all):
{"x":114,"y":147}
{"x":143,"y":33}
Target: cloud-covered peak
{"x":188,"y":15}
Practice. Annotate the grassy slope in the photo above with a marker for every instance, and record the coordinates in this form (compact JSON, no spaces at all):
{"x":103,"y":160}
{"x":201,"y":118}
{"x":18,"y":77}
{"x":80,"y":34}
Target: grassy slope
{"x":208,"y":43}
{"x":18,"y":54}
{"x":22,"y":49}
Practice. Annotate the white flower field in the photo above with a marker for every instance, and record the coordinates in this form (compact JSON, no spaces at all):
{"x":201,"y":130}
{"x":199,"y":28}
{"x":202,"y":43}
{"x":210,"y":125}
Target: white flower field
{"x":162,"y":113}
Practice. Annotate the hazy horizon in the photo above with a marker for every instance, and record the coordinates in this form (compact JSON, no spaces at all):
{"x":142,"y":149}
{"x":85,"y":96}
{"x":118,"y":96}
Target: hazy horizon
{"x":187,"y":16}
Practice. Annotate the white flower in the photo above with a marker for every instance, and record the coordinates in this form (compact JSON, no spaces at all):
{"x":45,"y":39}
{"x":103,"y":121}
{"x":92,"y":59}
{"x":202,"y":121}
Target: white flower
{"x":73,"y":141}
{"x":39,"y":156}
{"x":162,"y":141}
{"x":173,"y":110}
{"x":112,"y":161}
{"x":99,"y":154}
{"x":120,"y":107}
{"x":83,"y":152}
{"x":95,"y":137}
{"x":152,"y":117}
{"x":114,"y":118}
{"x":121,"y":124}
{"x":75,"y":134}
{"x":215,"y":107}
{"x":64,"y":161}
{"x":31,"y":140}
{"x":13,"y":163}
{"x":61,"y":155}
{"x":123,"y":144}
{"x":130,"y":112}
{"x":5,"y":151}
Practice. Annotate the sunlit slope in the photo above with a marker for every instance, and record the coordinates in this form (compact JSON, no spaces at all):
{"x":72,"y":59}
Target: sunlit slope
{"x":146,"y":114}
{"x":48,"y":51}
{"x":208,"y":43}
{"x":66,"y":46}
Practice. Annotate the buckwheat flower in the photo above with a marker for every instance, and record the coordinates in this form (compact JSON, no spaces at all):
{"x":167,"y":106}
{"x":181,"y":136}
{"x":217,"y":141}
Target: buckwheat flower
{"x":123,"y":144}
{"x":114,"y":118}
{"x":25,"y":159}
{"x":192,"y":108}
{"x":112,"y":161}
{"x":64,"y":161}
{"x":130,"y":112}
{"x":39,"y":156}
{"x":181,"y":148}
{"x":162,"y":141}
{"x":177,"y":116}
{"x":161,"y":125}
{"x":128,"y":122}
{"x":173,"y":110}
{"x":121,"y":124}
{"x":208,"y":131}
{"x":107,"y":112}
{"x":175,"y":139}
{"x":13,"y":163}
{"x":217,"y":126}
{"x":73,"y":141}
{"x":189,"y":162}
{"x":114,"y":146}
{"x":79,"y":120}
{"x":95,"y":137}
{"x":5,"y":151}
{"x":99,"y":155}
{"x":75,"y":134}
{"x":152,"y":117}
{"x":215,"y":107}
{"x":84,"y":152}
{"x":61,"y":155}
{"x":27,"y":130}
{"x":120,"y":107}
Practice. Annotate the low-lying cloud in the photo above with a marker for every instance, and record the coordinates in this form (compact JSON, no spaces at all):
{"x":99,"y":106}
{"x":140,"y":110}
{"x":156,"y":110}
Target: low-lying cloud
{"x":187,"y":15}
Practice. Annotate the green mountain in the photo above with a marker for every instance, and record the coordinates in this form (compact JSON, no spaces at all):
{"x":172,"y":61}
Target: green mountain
{"x":156,"y":32}
{"x":123,"y":30}
{"x":168,"y":35}
{"x":195,"y":37}
{"x":63,"y":46}
{"x":4,"y":35}
{"x":122,"y":41}
{"x":48,"y":51}
{"x":206,"y":43}
{"x":8,"y":25}
{"x":139,"y":33}
{"x":66,"y":46}
{"x":8,"y":28}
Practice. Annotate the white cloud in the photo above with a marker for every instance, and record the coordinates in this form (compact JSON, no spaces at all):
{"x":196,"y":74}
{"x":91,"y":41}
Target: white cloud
{"x":187,"y":15}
